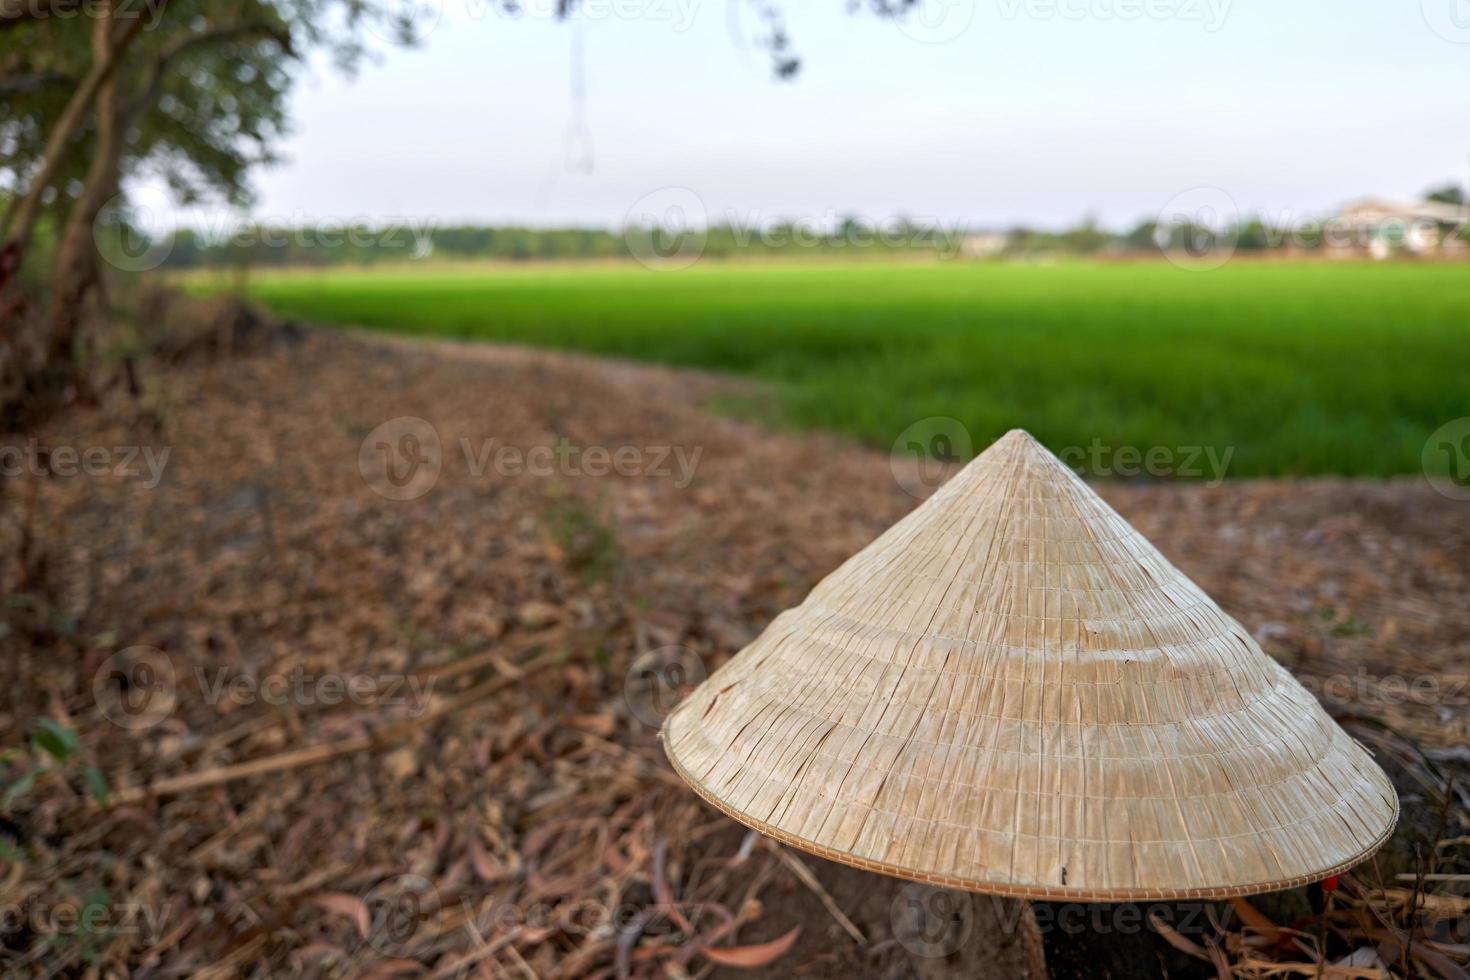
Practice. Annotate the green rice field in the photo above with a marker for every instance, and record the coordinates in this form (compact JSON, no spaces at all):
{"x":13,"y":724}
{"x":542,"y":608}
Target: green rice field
{"x":1308,"y":368}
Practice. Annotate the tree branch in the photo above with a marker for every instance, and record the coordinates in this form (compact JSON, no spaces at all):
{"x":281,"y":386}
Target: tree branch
{"x":158,"y":70}
{"x":107,"y":48}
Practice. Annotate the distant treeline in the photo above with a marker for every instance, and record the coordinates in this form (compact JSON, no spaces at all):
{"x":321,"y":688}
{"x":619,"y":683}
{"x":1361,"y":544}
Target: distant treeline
{"x":264,"y":245}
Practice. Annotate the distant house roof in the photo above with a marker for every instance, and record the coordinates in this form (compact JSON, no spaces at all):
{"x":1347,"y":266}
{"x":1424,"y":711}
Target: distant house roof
{"x":1379,"y":209}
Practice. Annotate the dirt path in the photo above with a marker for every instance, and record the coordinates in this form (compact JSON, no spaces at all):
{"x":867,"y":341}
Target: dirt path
{"x":584,"y":531}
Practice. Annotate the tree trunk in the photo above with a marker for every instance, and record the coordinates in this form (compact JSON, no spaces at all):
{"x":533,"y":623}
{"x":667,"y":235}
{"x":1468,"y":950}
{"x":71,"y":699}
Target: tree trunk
{"x":76,"y":270}
{"x":32,"y":379}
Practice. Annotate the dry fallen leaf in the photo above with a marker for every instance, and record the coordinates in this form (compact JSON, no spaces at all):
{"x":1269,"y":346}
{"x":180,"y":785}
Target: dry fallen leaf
{"x":750,"y":957}
{"x":1255,"y":919}
{"x":603,"y":724}
{"x":536,"y":614}
{"x":349,"y":906}
{"x":389,"y":969}
{"x":1174,"y":939}
{"x":484,"y":865}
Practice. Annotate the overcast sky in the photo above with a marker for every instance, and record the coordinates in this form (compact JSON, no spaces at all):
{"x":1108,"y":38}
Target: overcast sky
{"x":990,"y":112}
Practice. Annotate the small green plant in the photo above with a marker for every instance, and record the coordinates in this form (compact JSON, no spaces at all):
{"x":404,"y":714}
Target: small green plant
{"x":1352,"y":626}
{"x":91,"y":931}
{"x":588,"y":542}
{"x":97,"y":930}
{"x":1342,"y":623}
{"x":55,"y":748}
{"x":55,"y":740}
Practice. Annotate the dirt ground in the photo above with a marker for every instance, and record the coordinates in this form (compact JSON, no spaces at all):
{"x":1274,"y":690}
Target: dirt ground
{"x":446,"y":706}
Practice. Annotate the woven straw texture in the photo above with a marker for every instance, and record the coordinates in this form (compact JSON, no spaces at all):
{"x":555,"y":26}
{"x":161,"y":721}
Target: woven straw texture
{"x":1012,"y":691}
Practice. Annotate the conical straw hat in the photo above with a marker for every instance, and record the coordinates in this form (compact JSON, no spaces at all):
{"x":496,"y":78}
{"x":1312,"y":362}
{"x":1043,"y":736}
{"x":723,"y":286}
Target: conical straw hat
{"x":1012,"y":691}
